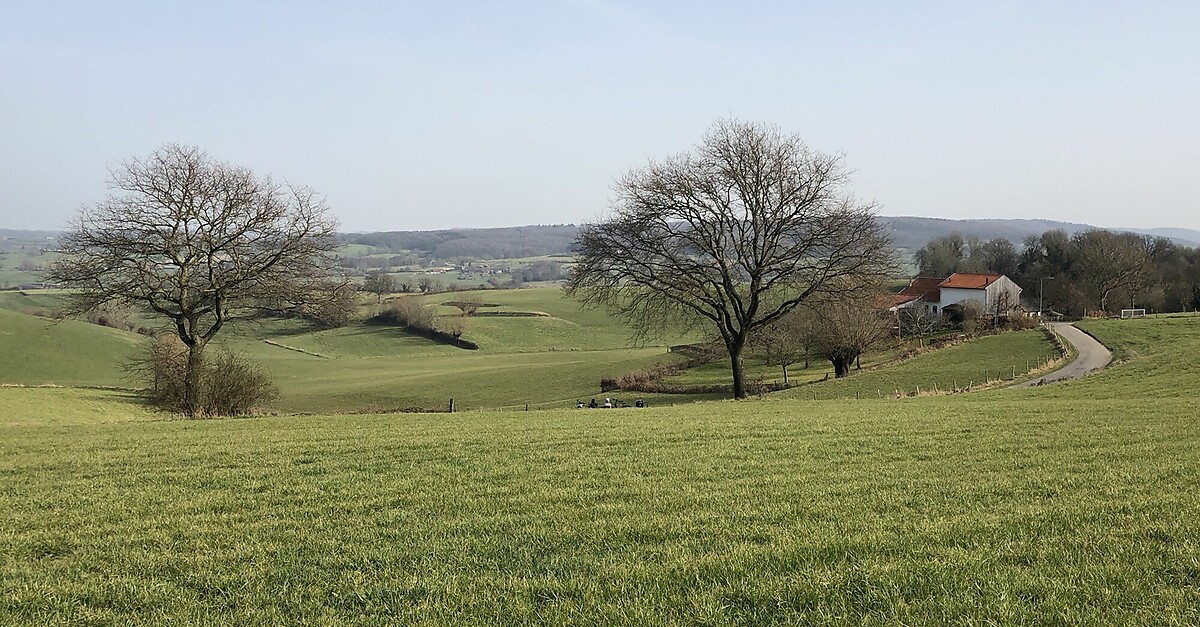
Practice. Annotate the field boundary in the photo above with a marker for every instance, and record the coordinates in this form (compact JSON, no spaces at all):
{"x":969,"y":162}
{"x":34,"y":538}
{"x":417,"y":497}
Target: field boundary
{"x":298,"y":350}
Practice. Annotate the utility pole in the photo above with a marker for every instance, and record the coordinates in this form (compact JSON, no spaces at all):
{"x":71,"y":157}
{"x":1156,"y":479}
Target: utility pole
{"x":1041,"y":305}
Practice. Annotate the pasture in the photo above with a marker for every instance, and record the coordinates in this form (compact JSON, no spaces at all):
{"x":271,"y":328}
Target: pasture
{"x":1073,"y":503}
{"x":549,"y":359}
{"x":994,"y":358}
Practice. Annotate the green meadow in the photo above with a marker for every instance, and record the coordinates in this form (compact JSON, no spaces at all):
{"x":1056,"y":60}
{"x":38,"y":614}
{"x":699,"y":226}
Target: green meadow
{"x":1073,"y":503}
{"x":994,"y":358}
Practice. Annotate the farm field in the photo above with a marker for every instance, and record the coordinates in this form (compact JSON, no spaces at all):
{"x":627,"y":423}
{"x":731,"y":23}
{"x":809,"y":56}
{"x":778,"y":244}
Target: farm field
{"x":994,"y":357}
{"x":1054,"y":504}
{"x":551,"y":359}
{"x":36,"y":351}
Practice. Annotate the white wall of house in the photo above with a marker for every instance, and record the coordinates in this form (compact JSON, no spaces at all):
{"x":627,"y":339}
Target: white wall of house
{"x":986,"y":297}
{"x":954,"y":295}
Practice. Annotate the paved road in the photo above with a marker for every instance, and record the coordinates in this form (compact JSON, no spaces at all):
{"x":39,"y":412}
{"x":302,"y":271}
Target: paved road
{"x":1091,"y":355}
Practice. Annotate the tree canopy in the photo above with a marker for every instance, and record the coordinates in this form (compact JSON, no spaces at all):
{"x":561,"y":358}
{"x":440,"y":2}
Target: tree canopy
{"x":733,"y":235}
{"x":198,"y":242}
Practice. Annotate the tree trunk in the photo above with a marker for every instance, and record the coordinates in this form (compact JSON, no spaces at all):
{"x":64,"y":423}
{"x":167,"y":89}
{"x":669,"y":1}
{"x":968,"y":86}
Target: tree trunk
{"x":841,"y":366}
{"x":739,"y":375}
{"x":191,"y":380}
{"x":785,"y":381}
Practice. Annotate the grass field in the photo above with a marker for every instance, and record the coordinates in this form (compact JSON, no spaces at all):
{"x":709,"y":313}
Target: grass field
{"x":1069,"y":504}
{"x":36,"y":351}
{"x":993,"y":357}
{"x":548,"y":360}
{"x":928,"y":511}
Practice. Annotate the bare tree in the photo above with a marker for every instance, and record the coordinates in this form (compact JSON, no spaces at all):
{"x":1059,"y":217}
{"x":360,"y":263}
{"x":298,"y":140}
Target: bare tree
{"x":453,"y":326}
{"x":199,"y":242}
{"x":787,"y":340}
{"x":732,"y":235}
{"x":916,"y":322}
{"x":1109,"y":262}
{"x":847,"y":328}
{"x":379,"y":283}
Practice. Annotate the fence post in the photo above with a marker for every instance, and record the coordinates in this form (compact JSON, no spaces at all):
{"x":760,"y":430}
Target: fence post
{"x":451,"y":410}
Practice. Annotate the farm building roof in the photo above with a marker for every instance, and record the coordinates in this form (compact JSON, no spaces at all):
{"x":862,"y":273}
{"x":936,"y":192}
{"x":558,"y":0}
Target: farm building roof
{"x":970,"y":280}
{"x":923,"y":287}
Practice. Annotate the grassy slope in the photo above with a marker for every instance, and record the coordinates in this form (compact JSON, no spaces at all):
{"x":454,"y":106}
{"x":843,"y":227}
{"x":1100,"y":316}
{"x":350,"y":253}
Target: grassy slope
{"x":928,"y":510}
{"x":960,"y":365}
{"x":1067,"y":505}
{"x":539,"y":361}
{"x":35,"y":351}
{"x":534,"y":360}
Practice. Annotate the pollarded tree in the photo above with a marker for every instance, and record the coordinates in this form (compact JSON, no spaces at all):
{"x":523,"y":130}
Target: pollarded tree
{"x":847,"y":328}
{"x":199,"y":242}
{"x":732,"y":235}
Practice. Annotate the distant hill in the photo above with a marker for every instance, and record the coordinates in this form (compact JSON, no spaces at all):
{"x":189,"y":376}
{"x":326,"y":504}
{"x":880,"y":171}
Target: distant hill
{"x":911,"y":232}
{"x":908,"y":233}
{"x":495,"y":243}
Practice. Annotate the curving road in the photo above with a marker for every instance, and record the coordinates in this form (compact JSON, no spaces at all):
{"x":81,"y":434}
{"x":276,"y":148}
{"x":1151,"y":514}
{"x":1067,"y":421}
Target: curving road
{"x":1091,"y":355}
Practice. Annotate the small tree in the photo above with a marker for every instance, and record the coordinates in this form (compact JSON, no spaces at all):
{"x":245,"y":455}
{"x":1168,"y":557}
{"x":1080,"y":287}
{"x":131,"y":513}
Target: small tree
{"x":425,"y":284}
{"x":379,"y":283}
{"x":786,"y":341}
{"x":915,"y":322}
{"x":411,"y":312}
{"x":847,"y":328}
{"x":198,"y":242}
{"x":453,"y":326}
{"x":468,"y":305}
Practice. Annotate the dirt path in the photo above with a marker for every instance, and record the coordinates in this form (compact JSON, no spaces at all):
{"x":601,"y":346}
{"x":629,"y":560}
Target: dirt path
{"x":1091,"y":355}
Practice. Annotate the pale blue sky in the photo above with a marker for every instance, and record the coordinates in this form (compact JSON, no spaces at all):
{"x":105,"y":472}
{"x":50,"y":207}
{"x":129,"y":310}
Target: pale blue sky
{"x":417,"y":115}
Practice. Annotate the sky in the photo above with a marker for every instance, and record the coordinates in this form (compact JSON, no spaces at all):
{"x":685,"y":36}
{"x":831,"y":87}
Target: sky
{"x":426,"y":115}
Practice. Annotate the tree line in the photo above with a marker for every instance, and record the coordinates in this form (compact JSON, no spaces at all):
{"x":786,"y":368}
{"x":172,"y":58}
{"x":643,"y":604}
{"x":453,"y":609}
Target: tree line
{"x":1092,"y":270}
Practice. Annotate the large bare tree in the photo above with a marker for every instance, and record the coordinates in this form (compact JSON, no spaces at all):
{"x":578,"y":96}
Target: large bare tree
{"x":199,"y":242}
{"x":733,"y":235}
{"x":1109,"y":262}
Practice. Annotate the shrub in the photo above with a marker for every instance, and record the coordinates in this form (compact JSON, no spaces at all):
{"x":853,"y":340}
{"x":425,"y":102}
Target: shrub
{"x":411,"y":312}
{"x":235,"y":386}
{"x":230,"y":385}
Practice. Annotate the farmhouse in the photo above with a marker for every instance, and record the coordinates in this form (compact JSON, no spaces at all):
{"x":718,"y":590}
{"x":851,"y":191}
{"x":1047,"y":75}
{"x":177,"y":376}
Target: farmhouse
{"x":996,"y":294}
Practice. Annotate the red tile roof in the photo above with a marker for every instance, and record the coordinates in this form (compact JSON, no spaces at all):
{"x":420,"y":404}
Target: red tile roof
{"x":970,"y":280}
{"x":925,"y":288}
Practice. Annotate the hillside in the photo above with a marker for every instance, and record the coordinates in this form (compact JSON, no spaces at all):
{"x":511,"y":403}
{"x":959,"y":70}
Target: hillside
{"x":910,"y":232}
{"x":555,"y":352}
{"x":1039,"y":506}
{"x":35,"y":351}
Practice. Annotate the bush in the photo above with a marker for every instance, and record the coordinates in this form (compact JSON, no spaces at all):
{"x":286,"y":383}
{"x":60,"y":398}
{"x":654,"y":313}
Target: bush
{"x":230,"y":385}
{"x":235,"y":386}
{"x":411,"y":312}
